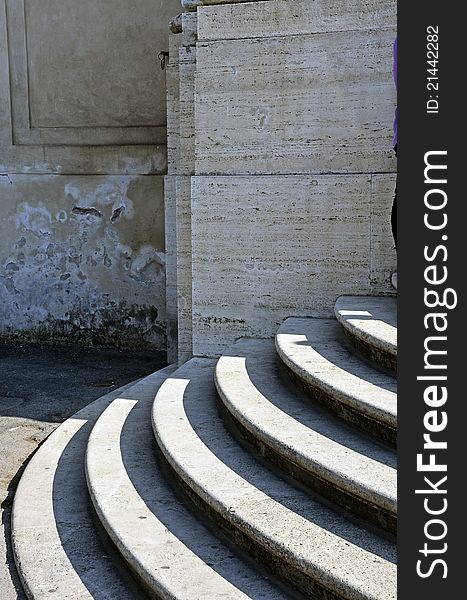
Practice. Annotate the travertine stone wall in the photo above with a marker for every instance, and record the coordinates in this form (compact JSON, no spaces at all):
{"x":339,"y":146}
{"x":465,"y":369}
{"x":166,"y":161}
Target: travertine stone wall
{"x":282,"y":245}
{"x":184,"y":270}
{"x":173,"y":104}
{"x":170,"y":191}
{"x":181,"y":143}
{"x":82,"y":160}
{"x":292,"y":17}
{"x":170,"y":188}
{"x":195,"y":4}
{"x":303,"y":103}
{"x":292,"y":197}
{"x":292,"y":187}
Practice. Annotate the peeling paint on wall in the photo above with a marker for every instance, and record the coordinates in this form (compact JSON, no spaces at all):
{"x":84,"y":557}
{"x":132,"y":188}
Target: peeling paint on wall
{"x":82,"y":259}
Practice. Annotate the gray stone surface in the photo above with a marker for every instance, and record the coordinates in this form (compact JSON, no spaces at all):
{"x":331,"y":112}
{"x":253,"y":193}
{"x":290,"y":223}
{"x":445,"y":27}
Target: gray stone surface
{"x":250,"y":388}
{"x":312,"y":543}
{"x":171,"y":291}
{"x":170,"y":188}
{"x":57,"y":52}
{"x":76,"y":160}
{"x":187,"y":67}
{"x":184,"y":269}
{"x":195,"y":4}
{"x":173,"y":104}
{"x":260,"y":108}
{"x":181,"y":140}
{"x":371,"y":319}
{"x":189,"y":29}
{"x":162,"y":542}
{"x":266,"y":248}
{"x":175,"y":24}
{"x":292,"y":17}
{"x":187,"y":57}
{"x":40,"y":386}
{"x":309,"y":347}
{"x":92,"y":60}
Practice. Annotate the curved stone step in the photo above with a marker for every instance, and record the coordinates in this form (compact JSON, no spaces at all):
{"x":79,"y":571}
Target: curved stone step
{"x":313,"y":548}
{"x":370,"y":322}
{"x":344,"y":383}
{"x":57,"y":551}
{"x":174,"y":555}
{"x":305,"y":442}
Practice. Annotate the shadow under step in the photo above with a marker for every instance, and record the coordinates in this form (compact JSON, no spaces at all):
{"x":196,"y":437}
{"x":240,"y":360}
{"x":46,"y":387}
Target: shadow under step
{"x":370,"y":323}
{"x":314,"y":549}
{"x":338,"y":379}
{"x":307,"y":443}
{"x":57,"y":550}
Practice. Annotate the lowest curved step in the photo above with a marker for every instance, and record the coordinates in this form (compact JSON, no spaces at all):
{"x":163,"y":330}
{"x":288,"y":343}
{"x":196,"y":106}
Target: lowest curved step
{"x":308,"y":444}
{"x":347,"y":385}
{"x":57,"y":551}
{"x":314,"y":549}
{"x":370,"y":322}
{"x":174,"y":555}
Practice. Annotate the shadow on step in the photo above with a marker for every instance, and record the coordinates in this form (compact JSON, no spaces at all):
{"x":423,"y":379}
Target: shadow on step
{"x":268,"y":378}
{"x":138,"y":450}
{"x":365,"y":315}
{"x":326,"y":342}
{"x":201,"y":410}
{"x":75,"y":522}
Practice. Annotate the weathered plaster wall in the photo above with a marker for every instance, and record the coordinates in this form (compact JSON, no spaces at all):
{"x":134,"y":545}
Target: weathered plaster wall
{"x":83,"y":257}
{"x":82,"y":161}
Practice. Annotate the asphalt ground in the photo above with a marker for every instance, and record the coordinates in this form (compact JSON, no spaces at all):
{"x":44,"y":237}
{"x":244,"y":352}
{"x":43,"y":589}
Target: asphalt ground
{"x":40,"y":387}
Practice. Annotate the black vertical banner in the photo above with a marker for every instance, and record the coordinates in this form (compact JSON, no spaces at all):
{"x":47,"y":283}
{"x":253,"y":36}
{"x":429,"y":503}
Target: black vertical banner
{"x":432,"y":369}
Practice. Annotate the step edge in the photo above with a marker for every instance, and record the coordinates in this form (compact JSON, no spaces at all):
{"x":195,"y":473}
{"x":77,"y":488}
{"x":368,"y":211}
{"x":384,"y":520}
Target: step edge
{"x":379,"y":343}
{"x":314,"y":466}
{"x":384,"y":416}
{"x":151,"y":576}
{"x":326,"y":576}
{"x":26,"y":561}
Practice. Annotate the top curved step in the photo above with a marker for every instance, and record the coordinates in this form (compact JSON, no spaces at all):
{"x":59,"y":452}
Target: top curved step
{"x":371,"y":324}
{"x":357,"y":392}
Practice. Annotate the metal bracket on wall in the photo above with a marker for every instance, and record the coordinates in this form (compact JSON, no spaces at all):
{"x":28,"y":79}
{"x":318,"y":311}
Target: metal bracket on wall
{"x":164,"y":59}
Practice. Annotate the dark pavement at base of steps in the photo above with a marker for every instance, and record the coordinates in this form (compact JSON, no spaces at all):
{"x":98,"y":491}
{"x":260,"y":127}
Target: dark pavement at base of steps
{"x":40,"y":387}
